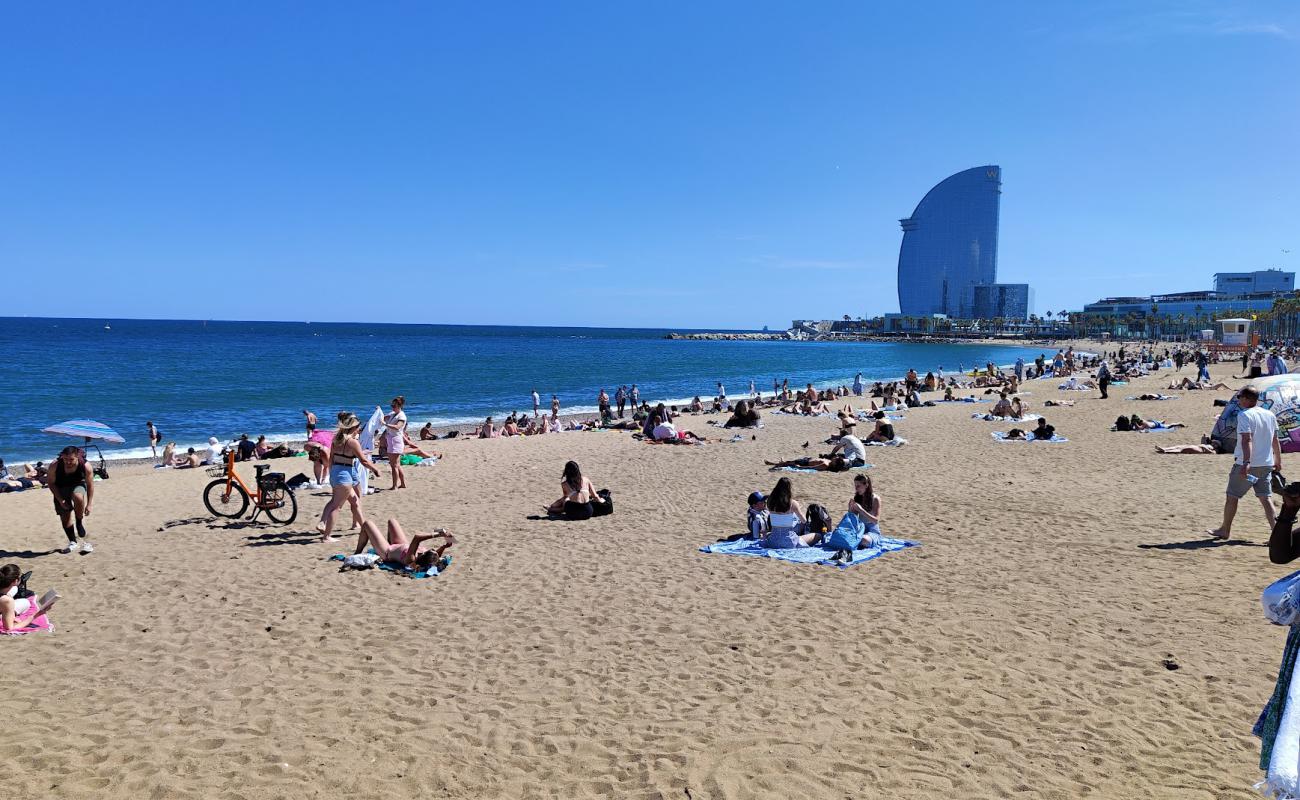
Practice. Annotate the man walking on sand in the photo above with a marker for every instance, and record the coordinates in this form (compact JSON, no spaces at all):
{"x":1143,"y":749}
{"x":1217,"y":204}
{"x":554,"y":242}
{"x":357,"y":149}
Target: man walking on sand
{"x":1103,"y":380}
{"x":1258,"y":455}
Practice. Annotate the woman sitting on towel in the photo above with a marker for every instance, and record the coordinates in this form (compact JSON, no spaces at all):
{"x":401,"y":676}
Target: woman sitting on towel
{"x":884,"y":431}
{"x":866,"y":505}
{"x":578,"y":496}
{"x":786,"y":520}
{"x":745,"y":416}
{"x":399,"y":551}
{"x":12,"y":607}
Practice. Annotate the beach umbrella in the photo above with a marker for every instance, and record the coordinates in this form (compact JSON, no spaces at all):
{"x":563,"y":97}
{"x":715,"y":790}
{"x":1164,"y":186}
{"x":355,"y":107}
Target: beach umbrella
{"x":86,"y":429}
{"x":1277,"y":393}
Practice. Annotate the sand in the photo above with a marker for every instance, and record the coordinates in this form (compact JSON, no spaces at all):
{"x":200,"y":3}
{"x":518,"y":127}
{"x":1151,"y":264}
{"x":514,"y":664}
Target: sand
{"x":1017,"y":653}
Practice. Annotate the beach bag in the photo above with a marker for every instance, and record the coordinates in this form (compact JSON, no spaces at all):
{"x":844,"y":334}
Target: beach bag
{"x":603,"y":509}
{"x":1281,"y":600}
{"x":848,"y":534}
{"x":819,"y":519}
{"x":1123,"y":424}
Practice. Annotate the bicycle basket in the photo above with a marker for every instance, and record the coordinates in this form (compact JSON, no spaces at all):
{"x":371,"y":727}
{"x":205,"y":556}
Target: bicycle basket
{"x":217,"y":472}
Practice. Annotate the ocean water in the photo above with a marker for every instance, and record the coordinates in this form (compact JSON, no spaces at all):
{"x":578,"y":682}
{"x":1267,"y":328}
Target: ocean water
{"x":197,"y":379}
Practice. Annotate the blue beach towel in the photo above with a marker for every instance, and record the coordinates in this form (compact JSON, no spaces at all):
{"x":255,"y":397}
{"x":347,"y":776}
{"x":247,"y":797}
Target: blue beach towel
{"x":809,"y":471}
{"x":386,"y":567}
{"x":991,"y":418}
{"x":806,"y":555}
{"x":1029,"y":437}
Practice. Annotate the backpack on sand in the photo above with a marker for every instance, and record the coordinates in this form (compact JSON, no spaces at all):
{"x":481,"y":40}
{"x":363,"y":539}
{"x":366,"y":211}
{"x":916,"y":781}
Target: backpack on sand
{"x":819,"y":520}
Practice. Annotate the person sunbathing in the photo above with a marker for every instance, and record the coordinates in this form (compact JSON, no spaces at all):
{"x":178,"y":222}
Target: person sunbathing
{"x":14,"y":608}
{"x":426,"y":433}
{"x":1191,"y":385}
{"x":1066,"y":403}
{"x":1150,"y":396}
{"x":835,"y":463}
{"x":510,"y":428}
{"x":667,"y":433}
{"x":1003,"y":407}
{"x":1188,"y":449}
{"x":190,"y":460}
{"x":400,"y":551}
{"x":579,"y":499}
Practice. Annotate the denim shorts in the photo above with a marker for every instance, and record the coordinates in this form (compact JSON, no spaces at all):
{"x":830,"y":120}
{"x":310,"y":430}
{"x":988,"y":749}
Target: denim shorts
{"x":1239,"y":486}
{"x":344,"y":475}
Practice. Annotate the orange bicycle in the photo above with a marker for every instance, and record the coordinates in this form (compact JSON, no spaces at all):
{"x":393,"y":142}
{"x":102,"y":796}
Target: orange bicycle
{"x":228,"y":495}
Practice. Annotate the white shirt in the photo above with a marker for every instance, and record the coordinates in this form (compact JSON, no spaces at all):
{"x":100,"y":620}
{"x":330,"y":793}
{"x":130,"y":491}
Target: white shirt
{"x":214,"y":454}
{"x":665,"y":430}
{"x":1262,"y":427}
{"x":854,"y":449}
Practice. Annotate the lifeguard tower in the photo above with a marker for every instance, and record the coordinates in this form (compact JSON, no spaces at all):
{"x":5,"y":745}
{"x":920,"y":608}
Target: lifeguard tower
{"x":1234,"y":338}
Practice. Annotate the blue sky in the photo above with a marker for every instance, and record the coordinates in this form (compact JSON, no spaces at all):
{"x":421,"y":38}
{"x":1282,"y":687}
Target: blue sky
{"x":643,"y":164}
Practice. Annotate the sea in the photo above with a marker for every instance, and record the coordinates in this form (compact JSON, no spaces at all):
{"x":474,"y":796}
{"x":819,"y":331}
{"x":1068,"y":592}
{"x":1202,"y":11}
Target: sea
{"x":196,"y":379}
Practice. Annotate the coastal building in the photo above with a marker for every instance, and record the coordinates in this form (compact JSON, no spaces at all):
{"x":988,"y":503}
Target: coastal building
{"x":1003,"y":301}
{"x":950,"y":249}
{"x":1261,"y":280}
{"x":1234,"y":293}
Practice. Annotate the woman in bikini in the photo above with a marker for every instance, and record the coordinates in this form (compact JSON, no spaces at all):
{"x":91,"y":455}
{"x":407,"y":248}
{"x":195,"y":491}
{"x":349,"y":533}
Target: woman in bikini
{"x":578,"y":496}
{"x":399,"y":551}
{"x":345,"y":452}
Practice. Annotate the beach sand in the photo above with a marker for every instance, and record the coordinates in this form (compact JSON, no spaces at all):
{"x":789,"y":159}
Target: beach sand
{"x":1019,"y":652}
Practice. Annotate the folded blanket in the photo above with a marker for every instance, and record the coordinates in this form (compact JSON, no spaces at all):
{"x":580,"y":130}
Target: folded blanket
{"x":806,"y":555}
{"x":386,"y":567}
{"x":28,"y":622}
{"x":807,"y":470}
{"x":897,"y":441}
{"x":991,"y":418}
{"x":1029,"y":437}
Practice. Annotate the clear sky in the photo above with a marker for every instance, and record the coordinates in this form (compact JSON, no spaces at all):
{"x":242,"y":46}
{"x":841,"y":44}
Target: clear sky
{"x":718,"y":164}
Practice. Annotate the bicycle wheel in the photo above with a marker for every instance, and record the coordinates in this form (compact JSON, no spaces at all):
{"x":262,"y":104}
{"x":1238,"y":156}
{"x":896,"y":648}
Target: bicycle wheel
{"x":232,"y":506}
{"x":286,"y":513}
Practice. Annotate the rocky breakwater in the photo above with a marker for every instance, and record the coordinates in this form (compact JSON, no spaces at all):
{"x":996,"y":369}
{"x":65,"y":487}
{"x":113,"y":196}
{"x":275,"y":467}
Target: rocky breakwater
{"x":731,"y":337}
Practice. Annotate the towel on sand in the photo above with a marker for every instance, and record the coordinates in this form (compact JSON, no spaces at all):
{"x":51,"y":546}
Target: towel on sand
{"x":807,"y":470}
{"x":806,"y":555}
{"x":897,"y":441}
{"x":1000,"y":436}
{"x":1157,"y":397}
{"x":28,"y":622}
{"x":991,"y":418}
{"x":385,"y":566}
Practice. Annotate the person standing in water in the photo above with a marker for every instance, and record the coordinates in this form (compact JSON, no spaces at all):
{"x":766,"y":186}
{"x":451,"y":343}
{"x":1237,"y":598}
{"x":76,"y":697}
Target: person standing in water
{"x":155,"y":438}
{"x":311,"y":422}
{"x":537,"y":402}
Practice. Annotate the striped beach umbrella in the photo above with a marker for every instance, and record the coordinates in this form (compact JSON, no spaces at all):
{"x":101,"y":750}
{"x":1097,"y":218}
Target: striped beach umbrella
{"x":86,"y":429}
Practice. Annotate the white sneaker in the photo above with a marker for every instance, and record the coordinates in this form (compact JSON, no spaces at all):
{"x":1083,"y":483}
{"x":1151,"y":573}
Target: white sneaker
{"x":70,"y":547}
{"x":87,"y":547}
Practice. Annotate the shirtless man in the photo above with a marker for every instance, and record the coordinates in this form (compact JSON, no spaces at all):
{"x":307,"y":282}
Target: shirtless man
{"x":311,"y":422}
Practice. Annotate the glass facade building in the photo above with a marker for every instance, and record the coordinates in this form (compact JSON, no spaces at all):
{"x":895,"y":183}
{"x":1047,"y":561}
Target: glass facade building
{"x":1261,"y":280}
{"x":1003,"y":301}
{"x":950,"y":245}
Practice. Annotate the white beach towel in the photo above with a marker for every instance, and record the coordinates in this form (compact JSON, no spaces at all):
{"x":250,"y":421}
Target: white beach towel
{"x":1283,"y":780}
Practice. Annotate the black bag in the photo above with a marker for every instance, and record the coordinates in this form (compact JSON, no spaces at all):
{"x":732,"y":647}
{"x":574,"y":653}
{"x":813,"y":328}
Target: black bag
{"x":603,"y":509}
{"x":819,"y":519}
{"x":1123,"y":424}
{"x":1278,"y":482}
{"x":23,"y":591}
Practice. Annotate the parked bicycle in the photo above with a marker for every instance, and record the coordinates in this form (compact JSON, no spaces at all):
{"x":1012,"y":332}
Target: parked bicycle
{"x":228,"y":495}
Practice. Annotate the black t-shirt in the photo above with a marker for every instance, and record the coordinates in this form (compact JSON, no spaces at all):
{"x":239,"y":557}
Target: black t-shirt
{"x":246,"y":450}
